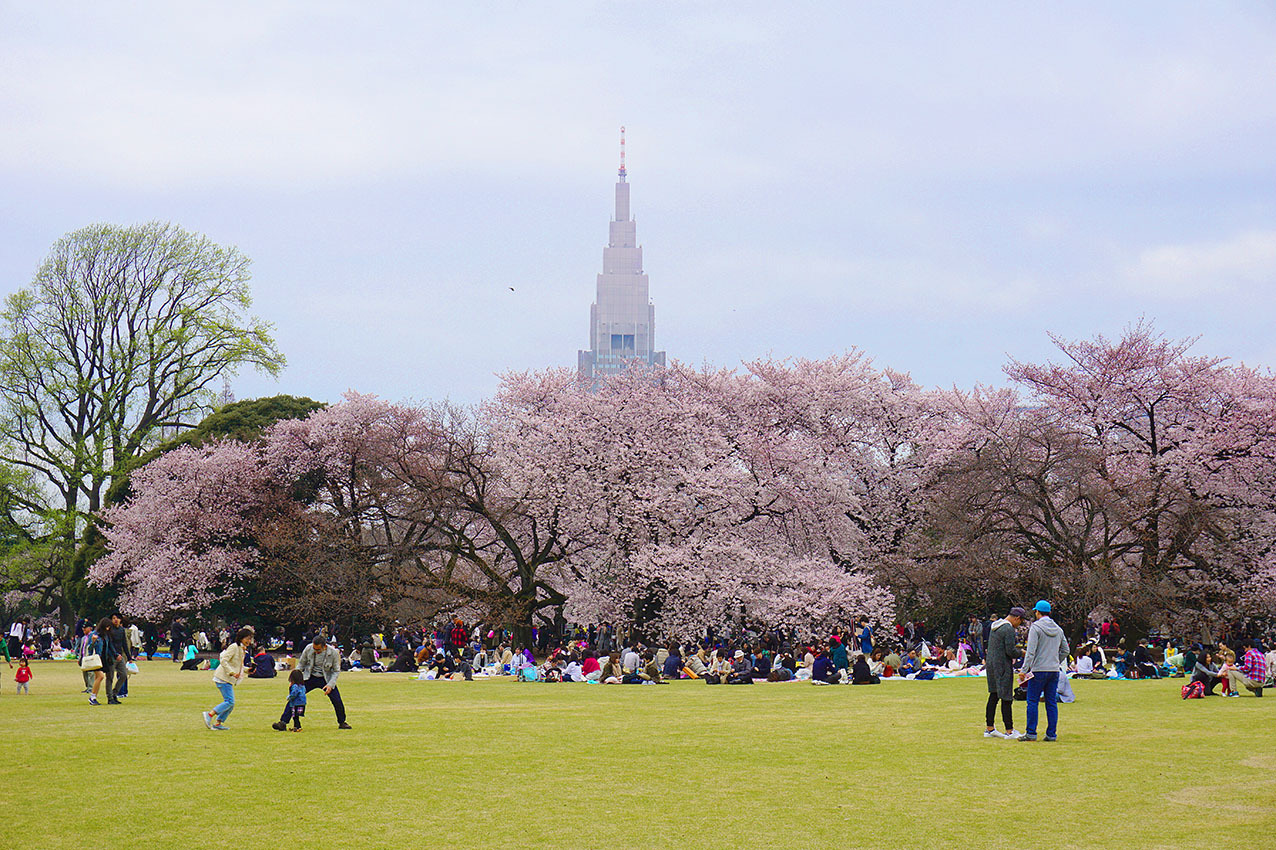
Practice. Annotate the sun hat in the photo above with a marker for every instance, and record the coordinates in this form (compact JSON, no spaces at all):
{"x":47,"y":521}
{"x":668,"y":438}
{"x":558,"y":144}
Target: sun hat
{"x":739,"y":653}
{"x":1043,"y":606}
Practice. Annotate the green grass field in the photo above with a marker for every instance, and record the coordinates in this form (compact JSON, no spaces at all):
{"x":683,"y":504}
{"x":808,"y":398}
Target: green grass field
{"x":496,"y":764}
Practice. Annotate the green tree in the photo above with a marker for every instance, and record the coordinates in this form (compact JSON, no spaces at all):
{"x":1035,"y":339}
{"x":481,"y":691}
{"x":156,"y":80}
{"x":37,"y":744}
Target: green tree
{"x":118,"y":342}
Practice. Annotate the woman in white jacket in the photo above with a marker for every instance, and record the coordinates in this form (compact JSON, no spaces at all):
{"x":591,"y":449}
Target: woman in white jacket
{"x":230,"y":669}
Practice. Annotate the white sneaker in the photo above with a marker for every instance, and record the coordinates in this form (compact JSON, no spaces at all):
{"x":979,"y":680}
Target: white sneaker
{"x":208,"y":718}
{"x":993,"y":733}
{"x":1012,"y":735}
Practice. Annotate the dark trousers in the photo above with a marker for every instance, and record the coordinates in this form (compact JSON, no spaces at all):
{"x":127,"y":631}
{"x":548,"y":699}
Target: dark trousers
{"x":293,"y":713}
{"x":335,"y":695}
{"x":116,"y":676}
{"x":1007,"y":712}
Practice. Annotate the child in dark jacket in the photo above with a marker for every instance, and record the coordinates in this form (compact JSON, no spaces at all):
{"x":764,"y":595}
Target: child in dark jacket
{"x":296,"y":706}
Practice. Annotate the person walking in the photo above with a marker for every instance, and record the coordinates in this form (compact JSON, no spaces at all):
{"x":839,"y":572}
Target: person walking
{"x":81,"y":649}
{"x":295,"y":708}
{"x":115,"y":661}
{"x":98,"y":645}
{"x":1000,"y":672}
{"x":17,"y":634}
{"x":1047,"y":649}
{"x":320,"y":664}
{"x":230,"y":669}
{"x":23,"y":677}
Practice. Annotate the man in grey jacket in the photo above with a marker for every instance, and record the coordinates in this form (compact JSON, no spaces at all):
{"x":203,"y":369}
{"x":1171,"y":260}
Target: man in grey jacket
{"x":320,"y":664}
{"x":1000,"y":673}
{"x":1047,"y":650}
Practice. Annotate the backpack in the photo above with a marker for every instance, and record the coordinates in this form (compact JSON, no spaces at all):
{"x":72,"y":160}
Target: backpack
{"x":1193,"y":690}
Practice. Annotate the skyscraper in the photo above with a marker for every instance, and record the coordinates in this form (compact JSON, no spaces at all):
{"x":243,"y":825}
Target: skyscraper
{"x":622,"y":319}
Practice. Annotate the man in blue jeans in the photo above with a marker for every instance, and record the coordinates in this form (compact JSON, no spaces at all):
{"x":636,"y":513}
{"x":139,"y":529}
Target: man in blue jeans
{"x":1046,"y":652}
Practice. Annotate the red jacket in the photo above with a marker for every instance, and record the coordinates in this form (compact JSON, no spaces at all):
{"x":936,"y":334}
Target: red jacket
{"x":23,"y":675}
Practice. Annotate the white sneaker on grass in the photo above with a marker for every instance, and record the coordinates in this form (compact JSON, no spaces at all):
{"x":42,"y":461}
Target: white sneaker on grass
{"x":993,"y":733}
{"x":1012,"y":735}
{"x":208,"y":718}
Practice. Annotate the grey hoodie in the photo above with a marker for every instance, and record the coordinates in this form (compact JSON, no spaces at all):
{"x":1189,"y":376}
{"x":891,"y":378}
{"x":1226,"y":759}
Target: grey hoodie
{"x":1047,"y":647}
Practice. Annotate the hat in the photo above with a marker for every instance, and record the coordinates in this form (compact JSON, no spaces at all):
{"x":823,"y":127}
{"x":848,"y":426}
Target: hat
{"x":1017,"y":612}
{"x":739,"y":653}
{"x":1043,"y":606}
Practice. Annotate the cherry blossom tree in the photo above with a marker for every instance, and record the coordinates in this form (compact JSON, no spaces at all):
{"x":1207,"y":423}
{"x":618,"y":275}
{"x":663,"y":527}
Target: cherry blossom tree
{"x":696,"y":493}
{"x":187,"y":537}
{"x":1135,"y":478}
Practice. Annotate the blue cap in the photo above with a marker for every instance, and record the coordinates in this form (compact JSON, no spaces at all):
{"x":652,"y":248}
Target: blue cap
{"x":1043,"y":606}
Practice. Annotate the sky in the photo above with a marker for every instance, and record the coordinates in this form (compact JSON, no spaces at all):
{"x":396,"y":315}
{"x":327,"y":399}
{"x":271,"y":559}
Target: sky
{"x":939,"y":186}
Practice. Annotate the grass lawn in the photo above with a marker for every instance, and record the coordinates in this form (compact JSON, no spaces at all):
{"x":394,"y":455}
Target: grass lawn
{"x":500,"y":764}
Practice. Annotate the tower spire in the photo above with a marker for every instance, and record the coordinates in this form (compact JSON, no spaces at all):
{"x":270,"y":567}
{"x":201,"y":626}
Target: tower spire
{"x":622,"y":154}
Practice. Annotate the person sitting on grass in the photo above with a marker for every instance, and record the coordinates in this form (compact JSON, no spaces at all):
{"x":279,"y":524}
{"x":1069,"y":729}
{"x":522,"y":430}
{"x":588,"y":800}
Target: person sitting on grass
{"x":590,"y":667}
{"x":1085,"y":667}
{"x":441,"y":665}
{"x":762,"y":665}
{"x":837,"y":654}
{"x":892,"y":662}
{"x":1205,"y":671}
{"x":405,"y":662}
{"x":695,"y":668}
{"x":672,"y":668}
{"x":612,"y":673}
{"x":822,"y":670}
{"x":950,"y":663}
{"x":296,"y":705}
{"x":912,"y":664}
{"x":573,"y":672}
{"x":1144,"y":663}
{"x":783,"y":670}
{"x":263,"y":665}
{"x":861,"y":674}
{"x":741,"y":670}
{"x":650,"y":671}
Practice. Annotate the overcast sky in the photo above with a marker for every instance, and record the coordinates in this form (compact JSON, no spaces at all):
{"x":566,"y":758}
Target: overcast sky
{"x":939,"y":186}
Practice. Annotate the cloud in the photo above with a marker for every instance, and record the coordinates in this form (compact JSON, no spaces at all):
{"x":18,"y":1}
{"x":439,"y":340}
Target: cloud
{"x":1205,"y":268}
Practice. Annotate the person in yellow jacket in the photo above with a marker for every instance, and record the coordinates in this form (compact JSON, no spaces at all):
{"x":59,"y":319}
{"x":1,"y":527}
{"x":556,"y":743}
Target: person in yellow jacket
{"x":230,"y":670}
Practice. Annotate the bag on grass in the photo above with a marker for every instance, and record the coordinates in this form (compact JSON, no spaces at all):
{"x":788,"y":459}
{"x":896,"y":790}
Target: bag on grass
{"x":1194,"y":690}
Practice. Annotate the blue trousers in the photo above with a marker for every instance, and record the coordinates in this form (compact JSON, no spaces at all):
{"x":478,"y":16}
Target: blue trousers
{"x":1048,"y":684}
{"x":227,"y":704}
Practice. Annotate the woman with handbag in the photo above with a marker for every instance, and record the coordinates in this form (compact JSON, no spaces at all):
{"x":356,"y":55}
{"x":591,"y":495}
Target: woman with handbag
{"x":91,"y":660}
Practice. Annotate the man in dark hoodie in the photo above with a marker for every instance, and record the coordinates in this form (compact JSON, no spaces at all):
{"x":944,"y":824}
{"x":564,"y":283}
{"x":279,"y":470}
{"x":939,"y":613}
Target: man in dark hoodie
{"x":1047,"y":650}
{"x":1000,"y":673}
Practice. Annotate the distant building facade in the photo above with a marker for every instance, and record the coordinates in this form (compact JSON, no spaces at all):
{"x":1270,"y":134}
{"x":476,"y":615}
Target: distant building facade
{"x":622,"y":319}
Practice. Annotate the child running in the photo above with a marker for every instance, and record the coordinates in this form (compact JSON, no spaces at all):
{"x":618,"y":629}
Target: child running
{"x":296,"y":706}
{"x":23,"y":676}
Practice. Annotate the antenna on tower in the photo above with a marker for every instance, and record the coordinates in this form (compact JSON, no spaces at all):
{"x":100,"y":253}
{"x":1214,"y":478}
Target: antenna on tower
{"x":622,"y":154}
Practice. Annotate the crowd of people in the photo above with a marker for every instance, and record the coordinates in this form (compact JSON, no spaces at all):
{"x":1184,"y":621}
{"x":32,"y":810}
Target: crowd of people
{"x":1023,"y":655}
